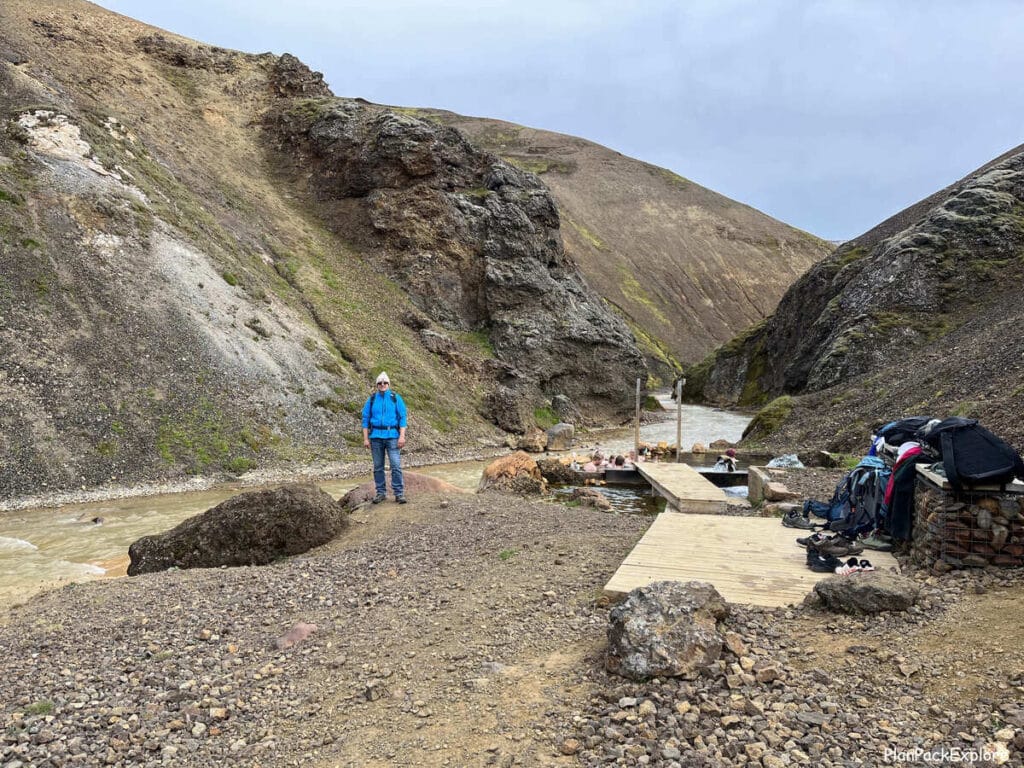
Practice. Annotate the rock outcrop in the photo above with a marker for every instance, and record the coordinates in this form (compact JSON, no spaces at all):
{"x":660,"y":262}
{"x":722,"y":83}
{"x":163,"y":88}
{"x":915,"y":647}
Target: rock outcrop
{"x":253,"y":528}
{"x":473,"y":240}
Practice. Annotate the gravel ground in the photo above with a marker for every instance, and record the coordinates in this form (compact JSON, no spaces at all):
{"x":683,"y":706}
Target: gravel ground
{"x":469,"y":630}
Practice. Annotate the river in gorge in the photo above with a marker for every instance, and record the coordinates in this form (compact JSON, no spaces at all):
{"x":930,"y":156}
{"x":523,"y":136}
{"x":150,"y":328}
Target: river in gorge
{"x":41,"y":548}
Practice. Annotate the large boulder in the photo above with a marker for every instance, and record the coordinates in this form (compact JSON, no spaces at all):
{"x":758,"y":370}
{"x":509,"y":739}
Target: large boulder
{"x":253,"y":528}
{"x":666,"y":629}
{"x":515,"y":473}
{"x":560,"y":437}
{"x":867,"y":592}
{"x":534,"y":441}
{"x":415,"y":484}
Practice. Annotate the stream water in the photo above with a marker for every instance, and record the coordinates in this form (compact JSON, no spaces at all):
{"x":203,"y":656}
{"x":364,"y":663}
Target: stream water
{"x":40,"y":548}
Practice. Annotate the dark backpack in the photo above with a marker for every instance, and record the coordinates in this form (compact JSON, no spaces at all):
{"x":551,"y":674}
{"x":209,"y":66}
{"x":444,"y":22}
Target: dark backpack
{"x":857,"y":503}
{"x":902,"y":430}
{"x":971,"y":455}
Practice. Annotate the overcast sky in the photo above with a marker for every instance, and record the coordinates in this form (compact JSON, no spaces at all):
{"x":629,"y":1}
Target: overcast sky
{"x":830,"y":116}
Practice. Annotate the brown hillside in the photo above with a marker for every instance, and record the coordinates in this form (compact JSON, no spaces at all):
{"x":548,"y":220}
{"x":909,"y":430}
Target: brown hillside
{"x":689,"y":267}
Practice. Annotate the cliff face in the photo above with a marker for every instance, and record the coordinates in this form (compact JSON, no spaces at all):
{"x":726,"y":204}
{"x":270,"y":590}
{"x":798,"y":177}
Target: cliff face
{"x":899,"y":319}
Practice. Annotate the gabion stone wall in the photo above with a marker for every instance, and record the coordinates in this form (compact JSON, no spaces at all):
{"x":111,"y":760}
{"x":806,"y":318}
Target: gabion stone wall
{"x":966,"y":530}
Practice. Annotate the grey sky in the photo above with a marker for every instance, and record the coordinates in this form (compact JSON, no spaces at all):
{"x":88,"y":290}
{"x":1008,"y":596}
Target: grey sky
{"x":830,"y":116}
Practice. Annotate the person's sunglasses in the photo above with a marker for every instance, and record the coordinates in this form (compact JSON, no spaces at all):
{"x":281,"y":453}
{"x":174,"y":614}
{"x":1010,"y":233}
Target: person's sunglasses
{"x":382,"y":384}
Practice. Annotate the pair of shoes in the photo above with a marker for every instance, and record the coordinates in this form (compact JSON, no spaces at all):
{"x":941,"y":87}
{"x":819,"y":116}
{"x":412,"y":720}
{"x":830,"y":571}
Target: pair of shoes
{"x":822,"y":563}
{"x":378,"y":498}
{"x":401,"y":499}
{"x":874,"y":542}
{"x":837,"y":546}
{"x":853,"y":565}
{"x":794,"y":519}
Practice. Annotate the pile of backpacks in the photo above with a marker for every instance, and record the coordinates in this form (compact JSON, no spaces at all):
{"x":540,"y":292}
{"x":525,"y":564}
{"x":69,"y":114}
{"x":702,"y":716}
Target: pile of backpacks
{"x":872,"y":506}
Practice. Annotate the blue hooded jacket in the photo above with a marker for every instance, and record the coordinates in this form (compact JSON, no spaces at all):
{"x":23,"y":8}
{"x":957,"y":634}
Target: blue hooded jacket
{"x":384,"y":414}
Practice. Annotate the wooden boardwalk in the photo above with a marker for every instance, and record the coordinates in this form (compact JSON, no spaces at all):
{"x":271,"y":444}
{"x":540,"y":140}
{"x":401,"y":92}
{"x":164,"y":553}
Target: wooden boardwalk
{"x":685,"y":489}
{"x":749,"y":560}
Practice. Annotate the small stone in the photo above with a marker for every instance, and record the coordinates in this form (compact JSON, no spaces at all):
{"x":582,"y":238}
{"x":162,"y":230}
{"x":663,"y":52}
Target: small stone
{"x":570,"y":747}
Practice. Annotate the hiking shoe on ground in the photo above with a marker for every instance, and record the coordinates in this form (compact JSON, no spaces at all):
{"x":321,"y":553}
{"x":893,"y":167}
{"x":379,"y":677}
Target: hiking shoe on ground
{"x":875,"y":543}
{"x":401,"y":499}
{"x":837,"y":546}
{"x":794,"y":519}
{"x":823,"y":563}
{"x":378,"y":498}
{"x":814,"y":538}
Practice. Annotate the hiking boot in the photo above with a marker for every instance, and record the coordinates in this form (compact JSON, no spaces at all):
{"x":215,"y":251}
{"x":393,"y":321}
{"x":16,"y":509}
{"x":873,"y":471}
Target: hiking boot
{"x":836,"y":546}
{"x":875,"y":543}
{"x":378,"y":498}
{"x":401,"y":499}
{"x":814,"y":538}
{"x":794,"y":519}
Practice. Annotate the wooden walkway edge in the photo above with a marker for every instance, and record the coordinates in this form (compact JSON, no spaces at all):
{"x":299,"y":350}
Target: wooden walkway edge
{"x":749,"y":560}
{"x":683,"y":487}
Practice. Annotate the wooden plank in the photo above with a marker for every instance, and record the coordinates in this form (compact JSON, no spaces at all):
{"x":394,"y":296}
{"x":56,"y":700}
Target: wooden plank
{"x":683,"y":487}
{"x":749,"y":560}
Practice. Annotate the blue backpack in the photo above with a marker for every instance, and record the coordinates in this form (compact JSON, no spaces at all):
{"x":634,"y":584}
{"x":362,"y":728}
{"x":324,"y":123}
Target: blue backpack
{"x":858,"y":503}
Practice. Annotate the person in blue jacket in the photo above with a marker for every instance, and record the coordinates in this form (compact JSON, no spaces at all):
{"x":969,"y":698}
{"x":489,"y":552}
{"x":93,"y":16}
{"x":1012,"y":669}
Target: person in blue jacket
{"x":384,"y":423}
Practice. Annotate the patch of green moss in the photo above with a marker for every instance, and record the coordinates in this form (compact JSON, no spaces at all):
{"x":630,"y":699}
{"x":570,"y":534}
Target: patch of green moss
{"x":537,"y":165}
{"x":41,"y":707}
{"x":544,"y":417}
{"x":182,"y":82}
{"x":200,"y":438}
{"x":230,"y":278}
{"x":635,"y":292}
{"x":848,"y":257}
{"x":240,"y":465}
{"x":481,"y":340}
{"x":10,"y":197}
{"x":586,"y":234}
{"x":930,"y":326}
{"x":651,"y":404}
{"x":769,"y":418}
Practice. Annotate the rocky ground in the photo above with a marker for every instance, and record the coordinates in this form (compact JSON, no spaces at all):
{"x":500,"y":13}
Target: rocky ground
{"x":469,"y":630}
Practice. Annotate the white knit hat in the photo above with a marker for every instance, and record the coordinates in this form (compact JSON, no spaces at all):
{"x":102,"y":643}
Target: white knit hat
{"x":383,"y":377}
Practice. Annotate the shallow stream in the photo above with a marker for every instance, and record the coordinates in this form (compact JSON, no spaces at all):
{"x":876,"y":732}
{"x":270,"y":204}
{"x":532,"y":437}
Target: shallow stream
{"x":46,"y":547}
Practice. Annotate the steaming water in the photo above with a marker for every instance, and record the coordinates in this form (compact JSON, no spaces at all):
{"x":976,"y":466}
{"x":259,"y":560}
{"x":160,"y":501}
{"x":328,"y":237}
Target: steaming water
{"x":41,"y":548}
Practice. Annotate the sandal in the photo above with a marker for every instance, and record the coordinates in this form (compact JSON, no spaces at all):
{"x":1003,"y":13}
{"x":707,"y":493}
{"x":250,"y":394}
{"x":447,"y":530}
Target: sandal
{"x":865,"y":565}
